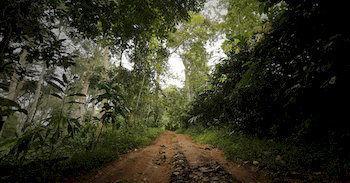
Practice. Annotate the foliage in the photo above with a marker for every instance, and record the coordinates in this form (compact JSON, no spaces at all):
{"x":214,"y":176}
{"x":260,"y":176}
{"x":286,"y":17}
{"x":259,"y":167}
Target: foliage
{"x":42,"y":32}
{"x":290,"y":85}
{"x":73,"y":155}
{"x":115,"y":103}
{"x":280,"y":158}
{"x":8,"y":107}
{"x":175,"y":107}
{"x":190,"y":40}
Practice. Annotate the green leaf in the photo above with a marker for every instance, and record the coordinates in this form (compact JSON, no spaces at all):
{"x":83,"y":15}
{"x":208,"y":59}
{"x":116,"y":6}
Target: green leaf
{"x":77,"y":94}
{"x":59,"y":81}
{"x":55,"y":136}
{"x":56,"y":95}
{"x":65,"y":78}
{"x":23,"y":111}
{"x":9,"y":103}
{"x":55,"y":86}
{"x":4,"y":86}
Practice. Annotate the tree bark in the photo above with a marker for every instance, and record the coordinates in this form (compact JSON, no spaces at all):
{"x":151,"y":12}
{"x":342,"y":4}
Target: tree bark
{"x":15,"y":87}
{"x":16,"y":83}
{"x":85,"y":91}
{"x":33,"y":107}
{"x":157,"y":107}
{"x":188,"y":87}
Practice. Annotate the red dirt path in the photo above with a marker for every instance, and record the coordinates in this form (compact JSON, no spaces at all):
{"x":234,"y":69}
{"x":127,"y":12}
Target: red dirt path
{"x":153,"y":164}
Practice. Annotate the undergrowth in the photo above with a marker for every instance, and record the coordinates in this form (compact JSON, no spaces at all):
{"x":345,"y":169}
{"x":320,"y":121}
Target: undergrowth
{"x":281,"y":159}
{"x":74,"y":156}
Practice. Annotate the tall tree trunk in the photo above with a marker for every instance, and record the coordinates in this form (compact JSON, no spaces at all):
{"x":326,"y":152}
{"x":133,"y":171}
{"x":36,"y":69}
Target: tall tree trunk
{"x":82,"y":99}
{"x":105,"y":58}
{"x":15,"y":87}
{"x":188,"y":87}
{"x":37,"y":94}
{"x":140,"y":92}
{"x":16,"y":81}
{"x":121,"y":58}
{"x":157,"y":108}
{"x":135,"y":113}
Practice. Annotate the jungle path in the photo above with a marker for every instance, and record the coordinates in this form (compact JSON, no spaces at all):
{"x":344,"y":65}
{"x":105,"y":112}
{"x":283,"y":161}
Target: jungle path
{"x":173,"y":158}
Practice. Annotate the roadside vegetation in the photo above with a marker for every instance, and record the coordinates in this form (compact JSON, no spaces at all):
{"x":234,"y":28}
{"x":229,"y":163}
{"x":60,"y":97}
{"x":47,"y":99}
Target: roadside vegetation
{"x":278,"y":98}
{"x":279,"y":159}
{"x":74,"y":156}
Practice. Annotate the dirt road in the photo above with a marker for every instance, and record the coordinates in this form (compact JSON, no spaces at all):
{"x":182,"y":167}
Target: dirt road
{"x":173,"y":158}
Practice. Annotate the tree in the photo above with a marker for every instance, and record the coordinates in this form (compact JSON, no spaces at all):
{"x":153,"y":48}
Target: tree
{"x":175,"y":104}
{"x":283,"y":86}
{"x":34,"y":29}
{"x":190,"y":42}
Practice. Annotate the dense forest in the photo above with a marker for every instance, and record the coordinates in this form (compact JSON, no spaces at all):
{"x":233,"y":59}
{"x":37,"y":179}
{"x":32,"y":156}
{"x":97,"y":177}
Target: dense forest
{"x":83,"y":82}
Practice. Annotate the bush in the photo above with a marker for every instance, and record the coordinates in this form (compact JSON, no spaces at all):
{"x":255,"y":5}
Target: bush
{"x":74,"y":155}
{"x":279,"y":157}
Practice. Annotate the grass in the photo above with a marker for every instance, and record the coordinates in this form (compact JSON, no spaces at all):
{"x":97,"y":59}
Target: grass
{"x":74,"y":158}
{"x":280,"y":159}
